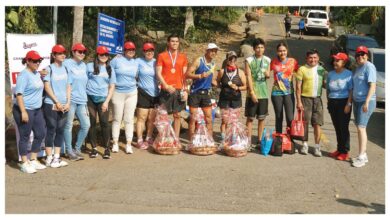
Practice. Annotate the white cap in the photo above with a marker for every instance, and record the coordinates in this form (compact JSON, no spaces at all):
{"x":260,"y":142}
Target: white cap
{"x":212,"y":46}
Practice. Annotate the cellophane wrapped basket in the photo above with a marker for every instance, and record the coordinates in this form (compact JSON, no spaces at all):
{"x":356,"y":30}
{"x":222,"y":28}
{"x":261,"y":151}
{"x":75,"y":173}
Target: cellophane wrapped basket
{"x":236,"y":142}
{"x":166,"y":142}
{"x":202,"y":143}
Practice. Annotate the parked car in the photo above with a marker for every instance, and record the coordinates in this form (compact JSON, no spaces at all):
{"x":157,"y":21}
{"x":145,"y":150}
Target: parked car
{"x":377,"y":57}
{"x":347,"y":43}
{"x":316,"y":20}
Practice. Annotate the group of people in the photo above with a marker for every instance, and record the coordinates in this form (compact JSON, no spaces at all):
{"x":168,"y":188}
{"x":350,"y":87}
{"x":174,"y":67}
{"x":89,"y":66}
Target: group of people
{"x":70,"y":87}
{"x":287,"y":25}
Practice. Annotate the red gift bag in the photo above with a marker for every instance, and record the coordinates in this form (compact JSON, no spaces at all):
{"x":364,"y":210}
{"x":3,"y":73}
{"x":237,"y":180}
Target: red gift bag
{"x":297,"y":130}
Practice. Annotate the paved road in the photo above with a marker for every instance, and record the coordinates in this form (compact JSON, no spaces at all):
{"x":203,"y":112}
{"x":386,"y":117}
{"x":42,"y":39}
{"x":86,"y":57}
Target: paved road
{"x":148,"y":183}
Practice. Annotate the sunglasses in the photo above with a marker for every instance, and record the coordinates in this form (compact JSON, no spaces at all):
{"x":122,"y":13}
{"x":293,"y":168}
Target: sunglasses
{"x":360,"y":54}
{"x":104,"y":55}
{"x":59,"y":53}
{"x":132,"y":50}
{"x":36,"y":61}
{"x":81,"y":51}
{"x":149,"y":51}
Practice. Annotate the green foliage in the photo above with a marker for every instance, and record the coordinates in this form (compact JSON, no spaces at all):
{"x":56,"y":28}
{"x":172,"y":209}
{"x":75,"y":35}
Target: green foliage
{"x":276,"y":10}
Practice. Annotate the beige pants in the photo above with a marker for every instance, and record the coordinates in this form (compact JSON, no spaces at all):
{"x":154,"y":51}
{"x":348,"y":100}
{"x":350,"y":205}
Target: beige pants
{"x":124,"y":107}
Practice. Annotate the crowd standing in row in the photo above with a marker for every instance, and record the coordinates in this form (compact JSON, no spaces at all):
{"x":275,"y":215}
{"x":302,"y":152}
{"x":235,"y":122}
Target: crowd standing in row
{"x":72,"y":88}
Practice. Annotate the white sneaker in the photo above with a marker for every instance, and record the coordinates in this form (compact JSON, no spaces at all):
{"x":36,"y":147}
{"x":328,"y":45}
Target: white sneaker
{"x":129,"y":149}
{"x":359,"y":162}
{"x":305,"y":148}
{"x":364,"y":157}
{"x":317,"y":152}
{"x":26,"y":167}
{"x":37,"y":165}
{"x":57,"y":162}
{"x":49,"y":160}
{"x":115,"y":148}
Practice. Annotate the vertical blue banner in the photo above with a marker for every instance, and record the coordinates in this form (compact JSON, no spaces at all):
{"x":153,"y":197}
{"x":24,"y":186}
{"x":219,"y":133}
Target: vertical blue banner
{"x":111,"y":33}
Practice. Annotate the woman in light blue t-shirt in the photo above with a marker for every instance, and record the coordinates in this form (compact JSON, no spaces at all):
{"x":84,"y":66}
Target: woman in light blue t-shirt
{"x":100,"y":87}
{"x":364,"y":100}
{"x":148,"y":92}
{"x":339,"y":94}
{"x":56,"y":106}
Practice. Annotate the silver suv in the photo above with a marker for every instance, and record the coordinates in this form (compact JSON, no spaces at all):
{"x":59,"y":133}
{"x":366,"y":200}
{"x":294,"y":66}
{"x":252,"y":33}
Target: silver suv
{"x":317,"y":20}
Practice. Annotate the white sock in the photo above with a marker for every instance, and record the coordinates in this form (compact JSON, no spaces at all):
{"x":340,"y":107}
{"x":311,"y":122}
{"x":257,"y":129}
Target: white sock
{"x":305,"y":143}
{"x":57,"y":156}
{"x":49,"y":157}
{"x":317,"y":146}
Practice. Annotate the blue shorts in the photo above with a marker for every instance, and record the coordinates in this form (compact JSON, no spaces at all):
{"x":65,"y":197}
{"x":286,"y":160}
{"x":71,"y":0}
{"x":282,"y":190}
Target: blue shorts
{"x":361,"y":118}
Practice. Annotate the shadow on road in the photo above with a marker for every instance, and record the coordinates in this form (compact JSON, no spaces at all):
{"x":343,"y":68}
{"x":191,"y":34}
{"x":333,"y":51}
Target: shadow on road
{"x":377,"y":208}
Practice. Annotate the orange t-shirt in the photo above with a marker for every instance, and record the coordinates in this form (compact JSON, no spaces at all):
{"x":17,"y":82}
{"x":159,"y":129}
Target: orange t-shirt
{"x":174,"y":79}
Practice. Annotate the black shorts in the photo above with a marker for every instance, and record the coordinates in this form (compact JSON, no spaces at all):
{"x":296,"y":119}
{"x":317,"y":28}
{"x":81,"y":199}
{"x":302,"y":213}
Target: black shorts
{"x":199,"y":99}
{"x":258,"y":110}
{"x":145,"y":100}
{"x":172,"y":102}
{"x":232,"y":103}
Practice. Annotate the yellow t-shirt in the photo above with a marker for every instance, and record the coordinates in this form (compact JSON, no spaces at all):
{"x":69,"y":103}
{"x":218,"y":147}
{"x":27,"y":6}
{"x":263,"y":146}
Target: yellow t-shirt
{"x":312,"y":79}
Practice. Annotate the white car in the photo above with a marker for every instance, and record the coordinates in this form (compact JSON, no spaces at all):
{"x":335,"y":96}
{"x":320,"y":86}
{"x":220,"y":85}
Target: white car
{"x":377,"y":57}
{"x":317,"y":20}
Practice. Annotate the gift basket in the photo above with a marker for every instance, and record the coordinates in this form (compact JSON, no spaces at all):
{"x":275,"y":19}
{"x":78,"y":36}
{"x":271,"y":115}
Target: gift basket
{"x":202,"y":143}
{"x":166,"y":142}
{"x":236,"y":142}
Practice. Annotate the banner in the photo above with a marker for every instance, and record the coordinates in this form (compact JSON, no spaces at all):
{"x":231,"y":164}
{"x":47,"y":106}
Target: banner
{"x":17,"y":47}
{"x":111,"y":33}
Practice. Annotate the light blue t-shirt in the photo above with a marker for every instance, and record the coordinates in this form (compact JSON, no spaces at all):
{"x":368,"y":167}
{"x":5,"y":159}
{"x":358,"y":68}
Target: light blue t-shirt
{"x":98,"y":84}
{"x":147,"y":78}
{"x":339,"y":84}
{"x":78,"y":80}
{"x":58,"y":79}
{"x":125,"y":73}
{"x":363,"y":75}
{"x":30,"y":85}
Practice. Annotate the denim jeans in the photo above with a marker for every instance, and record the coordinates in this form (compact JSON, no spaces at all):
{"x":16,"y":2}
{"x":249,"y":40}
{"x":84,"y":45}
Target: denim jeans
{"x":36,"y":124}
{"x":55,"y":124}
{"x":361,"y":118}
{"x":82,"y":114}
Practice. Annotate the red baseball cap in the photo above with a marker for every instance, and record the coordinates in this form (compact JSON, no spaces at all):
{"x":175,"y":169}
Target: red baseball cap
{"x":33,"y":55}
{"x":340,"y":56}
{"x":79,"y":46}
{"x":362,"y":49}
{"x":148,"y":46}
{"x":129,"y":45}
{"x":102,"y":50}
{"x":58,"y":49}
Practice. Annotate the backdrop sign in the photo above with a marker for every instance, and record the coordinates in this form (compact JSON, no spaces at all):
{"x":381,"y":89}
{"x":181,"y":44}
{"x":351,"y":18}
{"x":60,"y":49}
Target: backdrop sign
{"x":17,"y":47}
{"x":111,"y":33}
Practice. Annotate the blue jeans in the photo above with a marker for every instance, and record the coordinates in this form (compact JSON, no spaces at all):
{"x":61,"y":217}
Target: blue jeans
{"x":361,"y":118}
{"x":36,"y":124}
{"x":82,"y":114}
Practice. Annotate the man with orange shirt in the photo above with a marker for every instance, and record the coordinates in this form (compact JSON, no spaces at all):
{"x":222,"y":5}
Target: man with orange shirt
{"x":171,"y":68}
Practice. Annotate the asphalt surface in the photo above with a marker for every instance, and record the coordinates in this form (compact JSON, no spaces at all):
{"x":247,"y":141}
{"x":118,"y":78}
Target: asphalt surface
{"x":145,"y":182}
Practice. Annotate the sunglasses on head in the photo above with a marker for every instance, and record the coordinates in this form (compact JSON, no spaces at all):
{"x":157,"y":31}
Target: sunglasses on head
{"x":104,"y":55}
{"x":81,"y":51}
{"x":36,"y":61}
{"x":360,"y":54}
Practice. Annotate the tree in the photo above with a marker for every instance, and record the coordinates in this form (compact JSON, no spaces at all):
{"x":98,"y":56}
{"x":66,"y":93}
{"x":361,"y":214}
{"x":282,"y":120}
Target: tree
{"x":78,"y":24}
{"x":189,"y":22}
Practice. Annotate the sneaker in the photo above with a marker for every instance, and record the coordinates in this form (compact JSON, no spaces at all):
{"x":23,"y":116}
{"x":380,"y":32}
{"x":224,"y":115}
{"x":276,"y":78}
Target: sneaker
{"x":150,"y":142}
{"x":359,"y":162}
{"x":305,"y":149}
{"x":115,"y":148}
{"x":26,"y":167}
{"x":364,"y":157}
{"x":37,"y":165}
{"x":334,"y":154}
{"x":129,"y":149}
{"x":48,"y":161}
{"x":343,"y":157}
{"x":93,"y":153}
{"x":72,"y":156}
{"x":317,"y":152}
{"x":140,"y":143}
{"x":78,"y":154}
{"x":106,"y":154}
{"x":63,"y":163}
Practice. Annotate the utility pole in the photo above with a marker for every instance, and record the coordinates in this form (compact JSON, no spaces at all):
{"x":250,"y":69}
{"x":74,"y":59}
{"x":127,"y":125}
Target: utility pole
{"x":55,"y":16}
